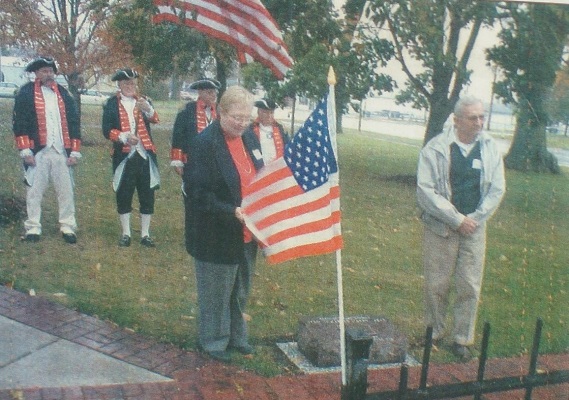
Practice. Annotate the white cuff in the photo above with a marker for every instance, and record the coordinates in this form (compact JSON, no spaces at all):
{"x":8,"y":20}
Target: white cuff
{"x":176,"y":163}
{"x":123,"y":137}
{"x":150,"y":113}
{"x":75,"y":154}
{"x":26,"y":152}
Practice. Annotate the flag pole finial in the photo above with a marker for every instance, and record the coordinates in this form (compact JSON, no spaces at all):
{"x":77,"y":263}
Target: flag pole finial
{"x":331,"y":76}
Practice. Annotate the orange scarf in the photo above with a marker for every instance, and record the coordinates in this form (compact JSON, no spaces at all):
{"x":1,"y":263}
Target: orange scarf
{"x":277,"y":139}
{"x":245,"y":168}
{"x":39,"y":103}
{"x":141,"y":130}
{"x":201,"y":117}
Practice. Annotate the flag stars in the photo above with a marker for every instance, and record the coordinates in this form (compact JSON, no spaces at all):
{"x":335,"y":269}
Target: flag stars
{"x":308,"y":154}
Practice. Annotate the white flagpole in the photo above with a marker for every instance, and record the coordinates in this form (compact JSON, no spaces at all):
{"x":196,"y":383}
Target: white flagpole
{"x":331,"y":111}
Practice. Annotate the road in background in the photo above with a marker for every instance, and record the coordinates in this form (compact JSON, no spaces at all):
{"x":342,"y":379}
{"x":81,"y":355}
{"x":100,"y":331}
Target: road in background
{"x":387,"y":128}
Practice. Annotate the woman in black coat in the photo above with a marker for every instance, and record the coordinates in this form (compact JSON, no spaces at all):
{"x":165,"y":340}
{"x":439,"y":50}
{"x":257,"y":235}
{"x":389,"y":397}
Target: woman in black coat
{"x":222,"y":162}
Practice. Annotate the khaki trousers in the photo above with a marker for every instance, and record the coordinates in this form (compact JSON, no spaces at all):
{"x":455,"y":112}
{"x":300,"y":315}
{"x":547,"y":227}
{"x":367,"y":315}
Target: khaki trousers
{"x":460,"y":259}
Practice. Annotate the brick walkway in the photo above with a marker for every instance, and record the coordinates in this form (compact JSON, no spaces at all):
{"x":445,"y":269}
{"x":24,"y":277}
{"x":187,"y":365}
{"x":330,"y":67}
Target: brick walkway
{"x":196,"y":378}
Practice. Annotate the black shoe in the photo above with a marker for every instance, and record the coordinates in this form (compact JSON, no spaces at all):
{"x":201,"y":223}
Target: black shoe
{"x":246,"y":350}
{"x":124,"y":241}
{"x":461,"y":352}
{"x":220,"y":355}
{"x":69,"y":238}
{"x":32,"y":238}
{"x":147,"y":242}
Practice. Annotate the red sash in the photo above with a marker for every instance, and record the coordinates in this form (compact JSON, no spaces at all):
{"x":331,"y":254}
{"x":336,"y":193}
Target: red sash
{"x":39,"y":103}
{"x":277,"y":139}
{"x":141,"y":130}
{"x":201,"y":116}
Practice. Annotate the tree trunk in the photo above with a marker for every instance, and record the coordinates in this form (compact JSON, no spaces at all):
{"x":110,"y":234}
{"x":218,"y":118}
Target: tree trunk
{"x":292,"y":112}
{"x":339,"y":116}
{"x":438,"y":114}
{"x":528,"y":151}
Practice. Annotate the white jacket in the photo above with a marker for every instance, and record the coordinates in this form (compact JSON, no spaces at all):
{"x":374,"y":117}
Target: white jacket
{"x":433,"y":183}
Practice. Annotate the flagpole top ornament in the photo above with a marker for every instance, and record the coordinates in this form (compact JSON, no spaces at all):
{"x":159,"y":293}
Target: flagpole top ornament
{"x":331,"y":76}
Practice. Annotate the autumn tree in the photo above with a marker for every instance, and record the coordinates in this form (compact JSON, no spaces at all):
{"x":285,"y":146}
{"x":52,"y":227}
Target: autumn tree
{"x":440,"y":36}
{"x":558,"y":102}
{"x":533,"y":38}
{"x":71,"y":31}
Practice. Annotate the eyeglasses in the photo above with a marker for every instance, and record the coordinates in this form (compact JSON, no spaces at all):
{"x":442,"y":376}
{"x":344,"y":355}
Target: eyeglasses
{"x":473,"y":118}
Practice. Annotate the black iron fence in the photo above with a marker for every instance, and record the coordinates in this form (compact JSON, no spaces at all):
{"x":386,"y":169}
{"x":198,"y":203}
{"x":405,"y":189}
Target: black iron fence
{"x":357,"y":352}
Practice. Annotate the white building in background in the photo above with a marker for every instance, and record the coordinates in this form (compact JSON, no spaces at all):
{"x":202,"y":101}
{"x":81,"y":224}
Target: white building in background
{"x":13,"y":70}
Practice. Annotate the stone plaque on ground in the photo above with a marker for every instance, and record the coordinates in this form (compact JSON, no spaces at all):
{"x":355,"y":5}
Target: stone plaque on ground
{"x":319,"y":339}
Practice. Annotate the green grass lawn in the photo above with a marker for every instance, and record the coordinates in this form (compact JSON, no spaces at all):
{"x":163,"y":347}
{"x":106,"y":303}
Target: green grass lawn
{"x":152,"y":291}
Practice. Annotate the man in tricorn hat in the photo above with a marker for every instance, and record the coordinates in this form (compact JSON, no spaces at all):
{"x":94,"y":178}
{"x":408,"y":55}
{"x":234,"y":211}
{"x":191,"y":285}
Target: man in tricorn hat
{"x":126,"y":122}
{"x":46,"y":127}
{"x":193,"y":119}
{"x":269,"y":132}
{"x":190,"y":122}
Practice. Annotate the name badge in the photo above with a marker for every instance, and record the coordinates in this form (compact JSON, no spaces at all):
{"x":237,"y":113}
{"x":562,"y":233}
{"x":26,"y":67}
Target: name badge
{"x":476,"y":164}
{"x":257,"y":154}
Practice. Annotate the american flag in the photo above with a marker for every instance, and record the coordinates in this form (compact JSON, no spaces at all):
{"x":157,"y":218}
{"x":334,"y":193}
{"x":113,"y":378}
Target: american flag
{"x":293,"y":205}
{"x":244,"y":24}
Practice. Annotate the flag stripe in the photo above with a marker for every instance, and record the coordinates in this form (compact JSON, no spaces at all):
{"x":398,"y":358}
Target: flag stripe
{"x":229,"y":31}
{"x":240,"y":12}
{"x":312,"y":249}
{"x":249,"y":25}
{"x":271,"y":59}
{"x":311,"y":238}
{"x":298,"y":230}
{"x":245,"y":24}
{"x":284,"y":212}
{"x":270,"y":179}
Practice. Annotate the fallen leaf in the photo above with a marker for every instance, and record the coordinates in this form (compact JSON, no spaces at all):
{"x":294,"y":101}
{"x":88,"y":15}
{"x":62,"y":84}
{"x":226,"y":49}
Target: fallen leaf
{"x":32,"y":292}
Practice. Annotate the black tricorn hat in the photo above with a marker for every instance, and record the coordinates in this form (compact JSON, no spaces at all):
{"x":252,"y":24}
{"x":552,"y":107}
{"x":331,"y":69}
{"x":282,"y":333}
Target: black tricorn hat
{"x":41,"y":62}
{"x":124,"y":74}
{"x":265,"y":104}
{"x":203,"y":84}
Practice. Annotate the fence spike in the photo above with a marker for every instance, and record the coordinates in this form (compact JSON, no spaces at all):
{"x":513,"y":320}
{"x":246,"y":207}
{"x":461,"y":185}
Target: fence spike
{"x":426,"y":357}
{"x":534,"y":354}
{"x":483,"y":357}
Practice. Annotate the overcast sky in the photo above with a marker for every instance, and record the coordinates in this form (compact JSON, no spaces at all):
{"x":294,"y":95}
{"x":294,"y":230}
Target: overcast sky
{"x":482,"y":75}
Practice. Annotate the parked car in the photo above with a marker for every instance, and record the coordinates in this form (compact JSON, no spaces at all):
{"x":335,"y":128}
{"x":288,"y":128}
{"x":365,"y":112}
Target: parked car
{"x":92,"y":97}
{"x":8,"y":89}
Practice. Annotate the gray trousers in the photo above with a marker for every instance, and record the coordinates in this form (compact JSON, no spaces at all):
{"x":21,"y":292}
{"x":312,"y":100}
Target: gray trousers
{"x":223,"y":291}
{"x":460,"y":258}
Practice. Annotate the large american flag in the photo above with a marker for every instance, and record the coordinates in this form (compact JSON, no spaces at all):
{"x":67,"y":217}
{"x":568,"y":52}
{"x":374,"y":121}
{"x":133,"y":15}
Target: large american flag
{"x":245,"y":24}
{"x":293,"y":205}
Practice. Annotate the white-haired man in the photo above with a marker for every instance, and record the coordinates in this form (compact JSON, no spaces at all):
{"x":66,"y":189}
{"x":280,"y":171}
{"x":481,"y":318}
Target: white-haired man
{"x":460,"y":184}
